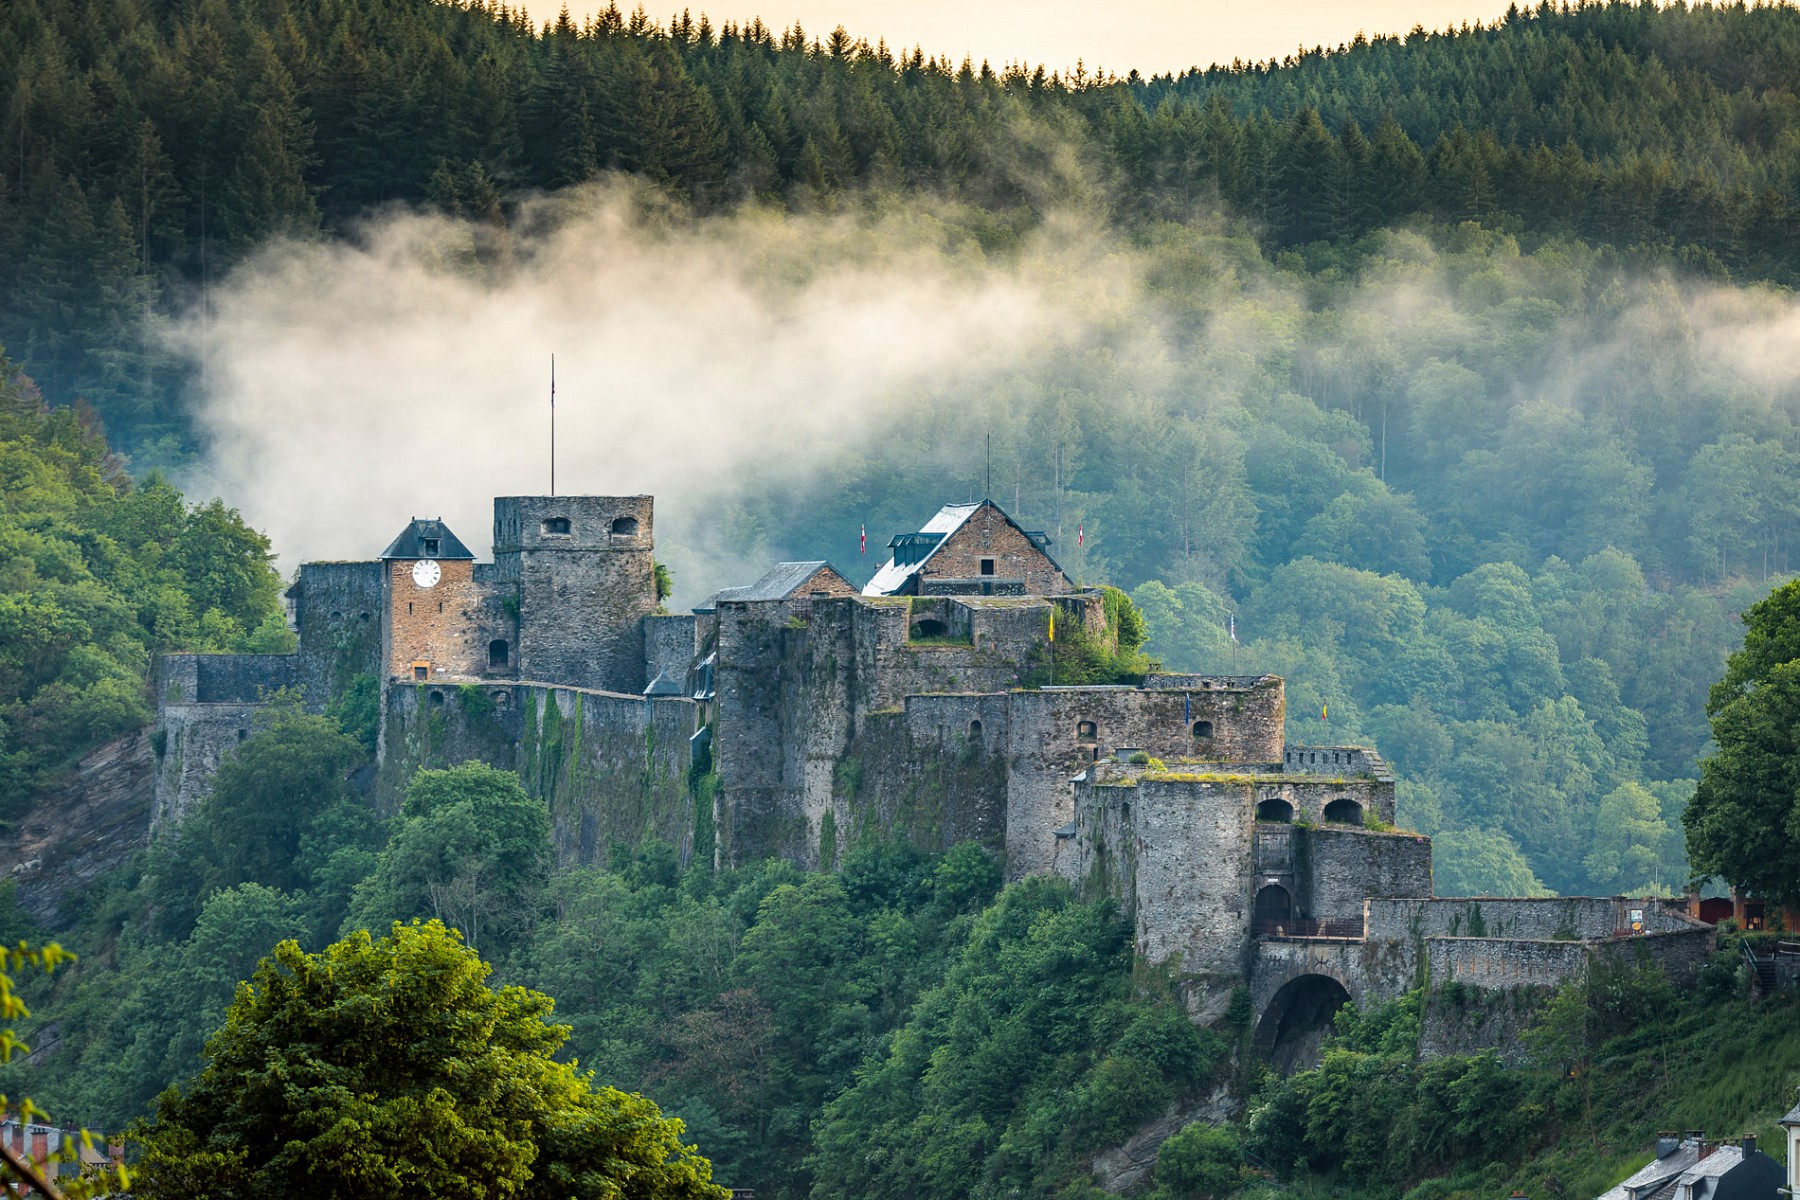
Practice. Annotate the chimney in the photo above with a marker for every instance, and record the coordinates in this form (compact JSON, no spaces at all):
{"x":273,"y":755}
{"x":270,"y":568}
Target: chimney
{"x":1667,"y":1144}
{"x":1749,"y":1144}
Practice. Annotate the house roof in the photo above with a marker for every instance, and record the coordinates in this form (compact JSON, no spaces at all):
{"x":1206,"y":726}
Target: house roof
{"x":412,"y":539}
{"x":907,"y":560}
{"x":1793,"y":1117}
{"x":1642,"y":1182}
{"x":779,"y":583}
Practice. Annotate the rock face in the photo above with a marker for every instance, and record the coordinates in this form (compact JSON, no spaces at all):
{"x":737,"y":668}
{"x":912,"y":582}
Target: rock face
{"x":83,"y":829}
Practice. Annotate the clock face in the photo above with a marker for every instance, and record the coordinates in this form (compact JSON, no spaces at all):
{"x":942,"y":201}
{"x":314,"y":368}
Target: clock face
{"x":426,"y":573}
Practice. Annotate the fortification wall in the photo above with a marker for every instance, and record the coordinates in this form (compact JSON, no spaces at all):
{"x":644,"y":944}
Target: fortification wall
{"x":1342,"y":868}
{"x":1559,"y":918}
{"x":337,"y":609}
{"x":1057,"y":733}
{"x":193,"y":738}
{"x":586,"y":572}
{"x":1191,"y":845}
{"x":609,"y":767}
{"x":224,"y":678}
{"x":669,"y":645}
{"x":438,"y":626}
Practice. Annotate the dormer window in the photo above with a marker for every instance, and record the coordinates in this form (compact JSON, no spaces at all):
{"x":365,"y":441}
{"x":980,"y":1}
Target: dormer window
{"x":428,"y":547}
{"x":556,"y":526}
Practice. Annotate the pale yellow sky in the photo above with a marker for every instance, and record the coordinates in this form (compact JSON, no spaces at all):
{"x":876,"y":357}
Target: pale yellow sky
{"x":1150,"y":35}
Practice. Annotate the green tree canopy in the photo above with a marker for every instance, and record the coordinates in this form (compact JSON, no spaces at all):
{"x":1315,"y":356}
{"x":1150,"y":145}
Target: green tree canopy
{"x":1743,"y":823}
{"x":391,"y":1068}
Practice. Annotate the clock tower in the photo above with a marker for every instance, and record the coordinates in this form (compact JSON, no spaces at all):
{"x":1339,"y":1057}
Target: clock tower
{"x":430,"y":624}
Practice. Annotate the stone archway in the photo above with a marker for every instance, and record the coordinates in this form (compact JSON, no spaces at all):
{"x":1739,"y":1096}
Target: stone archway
{"x":1294,"y":1023}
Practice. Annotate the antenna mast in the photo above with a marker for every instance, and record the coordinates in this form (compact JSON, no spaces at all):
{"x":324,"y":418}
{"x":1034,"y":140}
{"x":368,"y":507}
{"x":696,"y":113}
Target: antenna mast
{"x":988,"y":494}
{"x":553,"y":424}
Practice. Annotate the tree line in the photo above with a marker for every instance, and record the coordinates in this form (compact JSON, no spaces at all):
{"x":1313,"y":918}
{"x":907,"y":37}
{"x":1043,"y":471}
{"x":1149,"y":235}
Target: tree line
{"x":144,"y":149}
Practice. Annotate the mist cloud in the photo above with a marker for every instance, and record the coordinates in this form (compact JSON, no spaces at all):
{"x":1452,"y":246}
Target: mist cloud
{"x":348,"y":386}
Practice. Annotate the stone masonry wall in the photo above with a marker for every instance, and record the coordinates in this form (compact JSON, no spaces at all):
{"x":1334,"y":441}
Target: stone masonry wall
{"x":1049,"y":744}
{"x":440,"y":625}
{"x":193,"y":739}
{"x":1344,"y":867}
{"x":608,"y":767}
{"x":583,"y":595}
{"x":338,"y":611}
{"x":1561,"y":918}
{"x":1192,"y":872}
{"x":669,"y":647}
{"x":987,"y":534}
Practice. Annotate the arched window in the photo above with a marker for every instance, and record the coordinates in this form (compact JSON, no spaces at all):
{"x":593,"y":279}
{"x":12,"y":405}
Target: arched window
{"x":1344,"y":811}
{"x":929,"y":627}
{"x":1087,"y":731}
{"x":1202,"y":729}
{"x":625,"y":527}
{"x":556,"y":526}
{"x":499,"y":654}
{"x":437,"y":698}
{"x":975,"y":729}
{"x":1275,"y":810}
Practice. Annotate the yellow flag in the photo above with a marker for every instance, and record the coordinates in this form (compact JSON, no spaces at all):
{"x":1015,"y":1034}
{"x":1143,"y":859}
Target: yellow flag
{"x":1325,"y":711}
{"x":1053,"y":622}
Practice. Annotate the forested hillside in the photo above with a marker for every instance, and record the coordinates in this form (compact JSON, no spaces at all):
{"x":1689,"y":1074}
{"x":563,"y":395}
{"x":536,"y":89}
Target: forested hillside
{"x":148,"y":147}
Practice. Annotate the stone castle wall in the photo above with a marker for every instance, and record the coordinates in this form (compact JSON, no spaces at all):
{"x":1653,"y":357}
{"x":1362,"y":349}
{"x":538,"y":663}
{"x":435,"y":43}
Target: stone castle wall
{"x":338,"y":610}
{"x":439,"y":626}
{"x":609,"y":767}
{"x":583,"y":594}
{"x":989,"y":535}
{"x":1345,"y":867}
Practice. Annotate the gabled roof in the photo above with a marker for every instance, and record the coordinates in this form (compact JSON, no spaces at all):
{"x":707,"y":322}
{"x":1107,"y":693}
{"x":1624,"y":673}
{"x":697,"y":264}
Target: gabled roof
{"x":1644,"y":1181}
{"x":412,"y":539}
{"x":908,"y":560}
{"x":780,"y":583}
{"x":1793,"y":1117}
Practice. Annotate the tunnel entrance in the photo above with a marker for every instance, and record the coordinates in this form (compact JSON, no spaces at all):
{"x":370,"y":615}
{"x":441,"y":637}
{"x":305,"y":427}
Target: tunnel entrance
{"x":1293,"y":1027}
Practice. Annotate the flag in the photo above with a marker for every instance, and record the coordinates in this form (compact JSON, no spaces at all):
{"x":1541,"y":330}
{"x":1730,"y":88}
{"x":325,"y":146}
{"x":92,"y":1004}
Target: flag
{"x":1080,"y":534}
{"x":1231,"y":625}
{"x":863,"y":548}
{"x":1325,"y":711}
{"x":1187,"y":706}
{"x":1053,"y":622}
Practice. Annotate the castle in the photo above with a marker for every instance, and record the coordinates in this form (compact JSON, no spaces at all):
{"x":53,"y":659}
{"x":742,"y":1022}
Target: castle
{"x":796,"y":715}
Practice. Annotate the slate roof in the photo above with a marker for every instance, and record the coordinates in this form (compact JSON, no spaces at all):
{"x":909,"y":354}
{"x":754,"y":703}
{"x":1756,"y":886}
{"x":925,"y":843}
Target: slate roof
{"x":780,"y":583}
{"x":411,"y":542}
{"x":662,"y":685}
{"x":1641,"y":1183}
{"x":1793,"y":1117}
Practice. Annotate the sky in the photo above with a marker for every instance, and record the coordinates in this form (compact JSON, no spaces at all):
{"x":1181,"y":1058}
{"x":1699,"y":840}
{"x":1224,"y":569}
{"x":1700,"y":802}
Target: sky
{"x":1151,"y":36}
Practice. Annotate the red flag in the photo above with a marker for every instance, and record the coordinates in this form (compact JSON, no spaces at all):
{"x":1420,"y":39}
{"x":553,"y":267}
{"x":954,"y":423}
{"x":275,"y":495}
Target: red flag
{"x":1080,"y":534}
{"x":864,"y":548}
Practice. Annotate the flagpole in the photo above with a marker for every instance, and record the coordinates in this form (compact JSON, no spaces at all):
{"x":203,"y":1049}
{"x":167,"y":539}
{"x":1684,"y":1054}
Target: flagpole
{"x":553,"y":424}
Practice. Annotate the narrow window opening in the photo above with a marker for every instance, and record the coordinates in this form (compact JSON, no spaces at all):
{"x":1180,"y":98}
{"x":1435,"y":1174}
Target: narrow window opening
{"x":1203,"y":729}
{"x":975,"y":729}
{"x":556,"y":526}
{"x":421,"y":670}
{"x":242,"y":734}
{"x":987,"y":566}
{"x":1087,"y":731}
{"x":409,"y":605}
{"x":498,"y":654}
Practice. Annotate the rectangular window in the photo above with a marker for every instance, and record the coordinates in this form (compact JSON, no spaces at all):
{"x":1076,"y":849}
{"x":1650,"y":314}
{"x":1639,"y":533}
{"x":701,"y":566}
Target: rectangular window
{"x":987,"y":566}
{"x":431,"y":545}
{"x":421,"y":670}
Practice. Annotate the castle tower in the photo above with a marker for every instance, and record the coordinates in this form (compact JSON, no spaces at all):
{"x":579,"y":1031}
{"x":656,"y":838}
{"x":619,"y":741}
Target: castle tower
{"x":586,"y":575}
{"x":429,"y":629}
